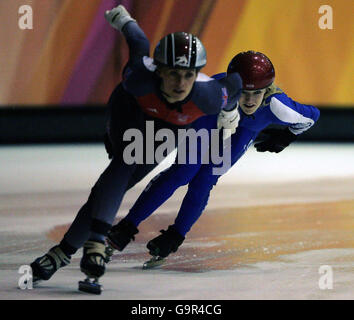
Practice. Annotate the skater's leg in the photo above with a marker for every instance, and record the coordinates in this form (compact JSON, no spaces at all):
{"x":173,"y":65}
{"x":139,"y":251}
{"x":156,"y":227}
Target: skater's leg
{"x":156,"y":193}
{"x":195,"y":199}
{"x":99,"y":211}
{"x":159,"y":190}
{"x":103,"y":203}
{"x":200,"y":187}
{"x":125,"y":230}
{"x":162,"y":186}
{"x":141,"y":171}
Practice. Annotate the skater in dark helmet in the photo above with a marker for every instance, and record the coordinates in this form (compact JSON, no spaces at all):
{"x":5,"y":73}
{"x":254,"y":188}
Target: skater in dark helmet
{"x":168,"y":91}
{"x":261,"y":104}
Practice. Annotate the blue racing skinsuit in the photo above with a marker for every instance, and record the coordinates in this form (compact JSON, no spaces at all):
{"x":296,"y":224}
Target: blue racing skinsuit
{"x":277,"y":108}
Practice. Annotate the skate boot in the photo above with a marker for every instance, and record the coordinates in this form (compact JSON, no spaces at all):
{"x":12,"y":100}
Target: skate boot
{"x":160,"y":247}
{"x":44,"y":267}
{"x":93,"y":265}
{"x":121,"y":234}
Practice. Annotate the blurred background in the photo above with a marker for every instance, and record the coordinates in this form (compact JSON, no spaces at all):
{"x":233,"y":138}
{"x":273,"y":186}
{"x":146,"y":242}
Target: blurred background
{"x":56,"y":78}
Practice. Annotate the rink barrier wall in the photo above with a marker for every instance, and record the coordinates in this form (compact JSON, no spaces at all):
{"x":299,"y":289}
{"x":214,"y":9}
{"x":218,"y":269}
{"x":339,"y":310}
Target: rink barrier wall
{"x":86,"y":124}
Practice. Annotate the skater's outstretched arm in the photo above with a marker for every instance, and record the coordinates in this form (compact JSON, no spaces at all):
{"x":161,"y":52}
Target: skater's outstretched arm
{"x":295,"y":118}
{"x":138,"y":74}
{"x":120,"y":19}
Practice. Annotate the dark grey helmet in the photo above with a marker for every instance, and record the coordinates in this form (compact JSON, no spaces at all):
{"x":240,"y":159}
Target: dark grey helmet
{"x":180,"y":50}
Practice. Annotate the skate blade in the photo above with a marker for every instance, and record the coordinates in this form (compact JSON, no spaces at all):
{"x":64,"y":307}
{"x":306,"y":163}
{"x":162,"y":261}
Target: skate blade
{"x":90,"y":287}
{"x":154,"y":262}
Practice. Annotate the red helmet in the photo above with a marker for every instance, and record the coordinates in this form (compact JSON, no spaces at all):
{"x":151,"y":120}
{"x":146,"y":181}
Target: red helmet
{"x":255,"y":69}
{"x":180,"y":50}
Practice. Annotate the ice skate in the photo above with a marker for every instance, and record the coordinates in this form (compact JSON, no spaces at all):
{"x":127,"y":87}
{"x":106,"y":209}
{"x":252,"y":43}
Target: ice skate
{"x":93,"y":265}
{"x":45,"y":266}
{"x":109,"y":252}
{"x":154,"y":262}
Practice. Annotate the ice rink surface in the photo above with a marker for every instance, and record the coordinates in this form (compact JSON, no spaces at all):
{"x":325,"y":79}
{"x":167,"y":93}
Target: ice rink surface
{"x":274,"y":222}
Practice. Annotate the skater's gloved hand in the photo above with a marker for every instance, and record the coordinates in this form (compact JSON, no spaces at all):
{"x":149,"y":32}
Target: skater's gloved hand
{"x":277,"y":140}
{"x":121,"y":234}
{"x":228,"y":120}
{"x":108,"y":146}
{"x":167,"y":242}
{"x":118,"y":17}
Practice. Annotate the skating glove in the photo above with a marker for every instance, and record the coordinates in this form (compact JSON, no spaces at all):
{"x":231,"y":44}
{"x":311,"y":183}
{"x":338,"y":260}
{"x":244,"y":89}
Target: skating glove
{"x":167,"y":242}
{"x":276,"y":141}
{"x":228,"y":120}
{"x":118,"y":17}
{"x":108,"y":146}
{"x":121,"y":234}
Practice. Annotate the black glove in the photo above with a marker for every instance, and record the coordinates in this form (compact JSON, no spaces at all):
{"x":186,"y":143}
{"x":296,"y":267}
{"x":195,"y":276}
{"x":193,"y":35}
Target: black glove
{"x":167,"y":242}
{"x":276,"y":141}
{"x":108,"y":145}
{"x":121,"y":234}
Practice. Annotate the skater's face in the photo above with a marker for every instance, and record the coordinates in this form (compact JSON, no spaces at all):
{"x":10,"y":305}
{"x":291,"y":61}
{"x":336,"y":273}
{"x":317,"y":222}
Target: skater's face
{"x":251,"y":100}
{"x":177,"y":84}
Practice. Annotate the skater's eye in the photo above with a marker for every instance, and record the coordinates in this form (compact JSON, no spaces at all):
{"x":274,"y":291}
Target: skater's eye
{"x":174,"y":75}
{"x":189,"y":75}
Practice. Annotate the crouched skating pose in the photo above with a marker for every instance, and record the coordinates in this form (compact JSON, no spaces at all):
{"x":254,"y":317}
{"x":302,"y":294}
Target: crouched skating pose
{"x":262,"y":104}
{"x":168,"y":90}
